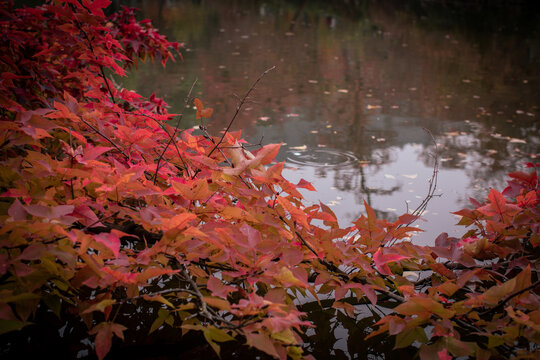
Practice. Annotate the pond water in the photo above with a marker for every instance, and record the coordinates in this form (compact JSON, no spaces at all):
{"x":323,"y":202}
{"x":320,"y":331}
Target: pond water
{"x":355,"y":85}
{"x":353,"y":88}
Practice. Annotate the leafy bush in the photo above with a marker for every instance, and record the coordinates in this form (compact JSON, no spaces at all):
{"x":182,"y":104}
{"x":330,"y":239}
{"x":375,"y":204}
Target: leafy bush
{"x":104,"y":205}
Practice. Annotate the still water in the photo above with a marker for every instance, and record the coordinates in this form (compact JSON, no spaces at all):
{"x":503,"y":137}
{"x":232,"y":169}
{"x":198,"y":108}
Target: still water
{"x":353,"y":88}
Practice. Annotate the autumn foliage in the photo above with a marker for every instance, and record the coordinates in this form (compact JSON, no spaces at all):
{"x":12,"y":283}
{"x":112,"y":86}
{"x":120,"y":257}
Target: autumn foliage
{"x":105,"y":203}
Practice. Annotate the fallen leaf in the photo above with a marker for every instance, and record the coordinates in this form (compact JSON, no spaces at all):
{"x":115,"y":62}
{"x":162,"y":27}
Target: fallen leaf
{"x":303,"y":147}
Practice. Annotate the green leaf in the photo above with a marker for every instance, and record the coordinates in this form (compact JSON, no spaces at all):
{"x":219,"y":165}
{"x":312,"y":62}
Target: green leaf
{"x":20,"y":297}
{"x":100,"y":306}
{"x":104,"y":333}
{"x":410,"y":335}
{"x":11,"y":325}
{"x":54,"y":303}
{"x":163,"y":317}
{"x":212,"y":334}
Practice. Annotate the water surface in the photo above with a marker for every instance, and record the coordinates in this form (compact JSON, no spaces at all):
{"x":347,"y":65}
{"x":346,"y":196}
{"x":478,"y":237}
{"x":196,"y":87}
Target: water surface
{"x":353,"y":89}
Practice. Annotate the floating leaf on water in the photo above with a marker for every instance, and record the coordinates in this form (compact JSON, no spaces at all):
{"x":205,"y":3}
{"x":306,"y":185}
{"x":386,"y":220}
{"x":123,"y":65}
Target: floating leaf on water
{"x":303,"y":147}
{"x":530,"y":114}
{"x":370,"y":107}
{"x":388,"y":176}
{"x":520,"y":141}
{"x":344,"y":91}
{"x":410,"y":176}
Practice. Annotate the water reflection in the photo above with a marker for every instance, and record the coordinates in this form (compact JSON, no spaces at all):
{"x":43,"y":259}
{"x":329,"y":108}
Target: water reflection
{"x":354,"y":87}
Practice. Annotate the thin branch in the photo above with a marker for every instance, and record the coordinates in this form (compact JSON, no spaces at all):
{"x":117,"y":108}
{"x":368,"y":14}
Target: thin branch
{"x":71,"y":164}
{"x":171,"y":139}
{"x":205,"y":311}
{"x":105,"y":137}
{"x":238,"y":108}
{"x":430,"y":193}
{"x":79,"y":26}
{"x":510,"y":297}
{"x":162,"y":292}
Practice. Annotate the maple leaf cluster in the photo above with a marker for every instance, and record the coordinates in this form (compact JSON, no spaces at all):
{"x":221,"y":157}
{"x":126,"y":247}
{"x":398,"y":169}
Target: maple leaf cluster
{"x":105,"y":204}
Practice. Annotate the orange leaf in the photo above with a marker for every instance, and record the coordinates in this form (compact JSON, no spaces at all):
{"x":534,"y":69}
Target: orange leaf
{"x":193,"y":190}
{"x":206,"y":113}
{"x":296,"y":213}
{"x":381,"y":260}
{"x":198,"y":104}
{"x":104,"y":332}
{"x":261,"y":342}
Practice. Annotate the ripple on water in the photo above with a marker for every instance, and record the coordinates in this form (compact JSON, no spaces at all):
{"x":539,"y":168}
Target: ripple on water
{"x":321,"y":157}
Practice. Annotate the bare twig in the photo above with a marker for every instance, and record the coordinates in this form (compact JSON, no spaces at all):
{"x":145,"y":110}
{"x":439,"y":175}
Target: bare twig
{"x":106,"y":138}
{"x":205,"y":310}
{"x":430,"y":193}
{"x":501,"y":304}
{"x":238,"y":108}
{"x":71,"y":164}
{"x":172,"y":137}
{"x":89,"y":41}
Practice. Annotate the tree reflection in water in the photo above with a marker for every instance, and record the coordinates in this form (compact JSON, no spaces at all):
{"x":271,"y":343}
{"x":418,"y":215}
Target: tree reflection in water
{"x":361,"y":81}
